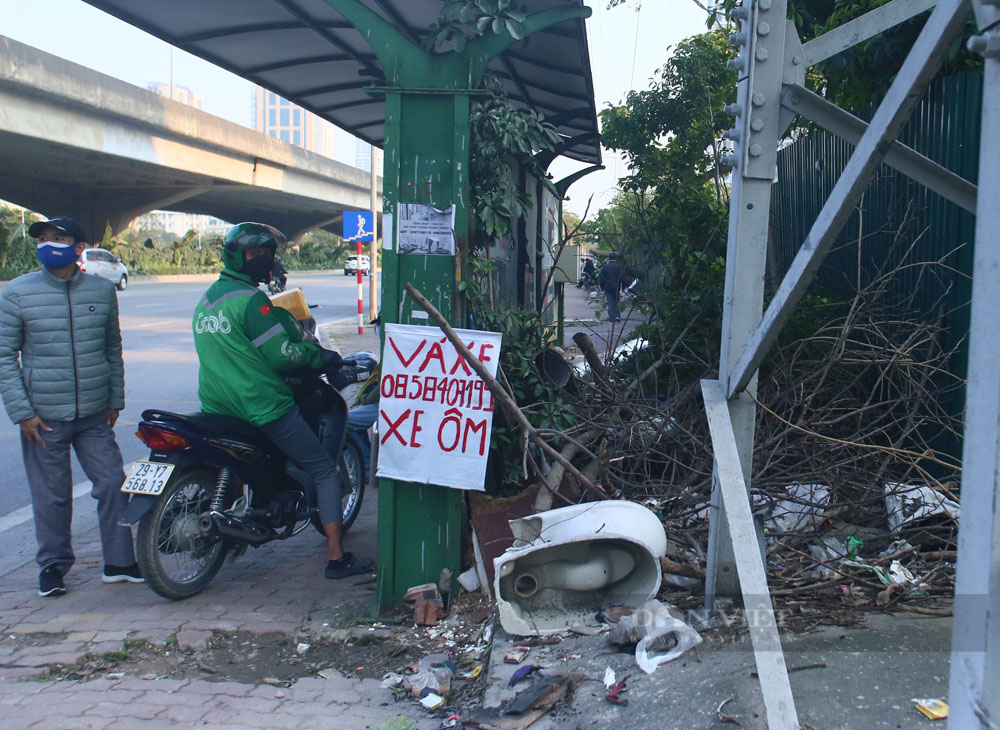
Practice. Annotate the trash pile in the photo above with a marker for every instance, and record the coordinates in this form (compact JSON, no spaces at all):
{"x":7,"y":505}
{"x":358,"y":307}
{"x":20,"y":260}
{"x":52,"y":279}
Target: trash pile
{"x":854,"y":486}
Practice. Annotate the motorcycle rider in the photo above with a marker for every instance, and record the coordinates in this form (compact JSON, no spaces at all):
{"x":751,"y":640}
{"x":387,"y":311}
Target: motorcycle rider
{"x":279,"y":275}
{"x":242,"y":346}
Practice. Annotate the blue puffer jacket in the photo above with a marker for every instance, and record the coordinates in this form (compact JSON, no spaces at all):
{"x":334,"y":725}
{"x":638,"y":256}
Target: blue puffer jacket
{"x":70,"y":346}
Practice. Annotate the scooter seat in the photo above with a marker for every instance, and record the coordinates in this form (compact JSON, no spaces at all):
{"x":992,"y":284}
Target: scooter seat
{"x":211,"y":424}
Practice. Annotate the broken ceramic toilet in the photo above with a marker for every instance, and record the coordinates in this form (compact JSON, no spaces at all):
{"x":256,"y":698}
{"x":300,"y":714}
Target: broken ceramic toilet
{"x":569,"y":563}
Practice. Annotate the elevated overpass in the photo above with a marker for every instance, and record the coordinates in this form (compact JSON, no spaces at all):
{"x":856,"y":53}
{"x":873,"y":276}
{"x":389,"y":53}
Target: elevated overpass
{"x":77,"y":142}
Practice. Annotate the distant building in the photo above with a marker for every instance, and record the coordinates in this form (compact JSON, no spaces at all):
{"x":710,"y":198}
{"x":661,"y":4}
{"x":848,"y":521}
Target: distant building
{"x":279,"y":118}
{"x":178,"y":224}
{"x":363,"y":156}
{"x":178,"y":93}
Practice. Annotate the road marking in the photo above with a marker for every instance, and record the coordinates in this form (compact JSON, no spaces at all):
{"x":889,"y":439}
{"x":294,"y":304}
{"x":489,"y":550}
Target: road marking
{"x":156,"y":324}
{"x":149,"y":306}
{"x":22,"y":515}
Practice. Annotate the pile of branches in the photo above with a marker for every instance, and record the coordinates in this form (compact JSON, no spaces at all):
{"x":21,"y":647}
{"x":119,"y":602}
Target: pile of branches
{"x":866,"y":399}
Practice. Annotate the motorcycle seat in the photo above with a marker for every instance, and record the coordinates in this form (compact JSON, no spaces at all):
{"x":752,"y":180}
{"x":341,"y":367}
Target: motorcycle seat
{"x":211,"y":424}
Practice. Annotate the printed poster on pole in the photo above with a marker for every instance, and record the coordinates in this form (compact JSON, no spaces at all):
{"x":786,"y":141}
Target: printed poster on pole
{"x":435,"y":412}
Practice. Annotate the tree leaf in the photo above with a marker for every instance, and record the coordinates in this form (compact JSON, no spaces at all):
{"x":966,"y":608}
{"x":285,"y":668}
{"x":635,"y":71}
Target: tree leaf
{"x":515,"y":30}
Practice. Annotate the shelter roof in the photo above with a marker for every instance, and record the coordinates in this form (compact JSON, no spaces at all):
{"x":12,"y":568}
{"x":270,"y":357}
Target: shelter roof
{"x":308,"y":53}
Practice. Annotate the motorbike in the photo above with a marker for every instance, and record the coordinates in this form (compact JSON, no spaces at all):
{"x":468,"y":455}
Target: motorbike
{"x":276,"y":285}
{"x":214,"y":486}
{"x":357,"y":368}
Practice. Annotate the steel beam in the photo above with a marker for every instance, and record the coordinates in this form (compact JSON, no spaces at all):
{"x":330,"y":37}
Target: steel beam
{"x":906,"y":160}
{"x":975,"y":653}
{"x":913,"y":78}
{"x":767,"y":651}
{"x":861,"y":29}
{"x":755,"y":159}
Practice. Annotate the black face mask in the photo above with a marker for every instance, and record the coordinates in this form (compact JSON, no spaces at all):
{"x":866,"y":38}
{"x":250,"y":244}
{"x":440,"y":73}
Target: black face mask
{"x":259,"y":268}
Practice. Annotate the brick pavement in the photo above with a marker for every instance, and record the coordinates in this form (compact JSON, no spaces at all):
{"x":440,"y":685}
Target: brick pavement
{"x":271,"y":589}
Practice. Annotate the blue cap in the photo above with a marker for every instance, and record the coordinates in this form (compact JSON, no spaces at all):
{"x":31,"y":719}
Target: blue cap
{"x":66,"y":225}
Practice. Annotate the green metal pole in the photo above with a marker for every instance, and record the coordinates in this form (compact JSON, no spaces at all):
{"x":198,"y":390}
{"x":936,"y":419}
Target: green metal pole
{"x":427,"y":141}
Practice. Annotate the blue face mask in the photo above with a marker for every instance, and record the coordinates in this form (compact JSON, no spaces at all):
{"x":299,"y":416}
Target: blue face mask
{"x":56,"y":255}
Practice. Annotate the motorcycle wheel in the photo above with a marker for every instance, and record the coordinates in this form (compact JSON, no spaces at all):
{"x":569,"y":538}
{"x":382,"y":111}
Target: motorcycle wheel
{"x":352,"y":466}
{"x":176,"y":561}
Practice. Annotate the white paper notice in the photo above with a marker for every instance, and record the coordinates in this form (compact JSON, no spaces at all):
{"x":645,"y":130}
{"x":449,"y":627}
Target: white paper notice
{"x":426,"y":230}
{"x":435,"y":412}
{"x":388,"y":232}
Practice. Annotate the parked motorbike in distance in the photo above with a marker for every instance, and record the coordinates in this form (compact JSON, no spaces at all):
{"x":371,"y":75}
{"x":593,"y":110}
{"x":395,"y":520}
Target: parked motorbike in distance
{"x":215,"y":485}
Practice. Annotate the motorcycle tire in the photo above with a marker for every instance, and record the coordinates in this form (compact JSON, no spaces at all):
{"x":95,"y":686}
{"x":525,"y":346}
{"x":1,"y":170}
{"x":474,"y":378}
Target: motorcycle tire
{"x":173,"y":557}
{"x":352,"y":465}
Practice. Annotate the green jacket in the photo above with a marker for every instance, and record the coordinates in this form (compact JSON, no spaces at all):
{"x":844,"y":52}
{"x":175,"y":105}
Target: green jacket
{"x":242,"y":344}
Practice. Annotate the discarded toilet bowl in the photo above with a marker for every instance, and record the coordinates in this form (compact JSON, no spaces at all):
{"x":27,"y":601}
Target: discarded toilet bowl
{"x":568,"y":563}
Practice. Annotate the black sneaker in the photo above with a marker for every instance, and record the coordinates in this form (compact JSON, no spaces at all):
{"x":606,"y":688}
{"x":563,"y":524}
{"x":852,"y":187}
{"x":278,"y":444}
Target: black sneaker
{"x":50,"y":582}
{"x":347,"y":566}
{"x":118,"y":574}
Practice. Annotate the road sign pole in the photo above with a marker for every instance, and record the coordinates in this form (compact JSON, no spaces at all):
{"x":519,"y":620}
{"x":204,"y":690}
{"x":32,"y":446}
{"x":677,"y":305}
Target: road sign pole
{"x":361,"y":295}
{"x":373,"y":271}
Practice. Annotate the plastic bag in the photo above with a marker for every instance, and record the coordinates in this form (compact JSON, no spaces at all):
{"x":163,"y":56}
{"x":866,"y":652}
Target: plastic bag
{"x":650,"y":626}
{"x":433,"y":675}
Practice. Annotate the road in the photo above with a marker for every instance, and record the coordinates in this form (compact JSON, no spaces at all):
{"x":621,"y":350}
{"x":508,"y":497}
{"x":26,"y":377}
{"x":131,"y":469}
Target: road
{"x":161,"y":371}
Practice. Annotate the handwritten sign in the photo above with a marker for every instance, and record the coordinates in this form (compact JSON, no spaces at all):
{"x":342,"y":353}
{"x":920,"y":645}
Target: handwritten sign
{"x":435,"y":413}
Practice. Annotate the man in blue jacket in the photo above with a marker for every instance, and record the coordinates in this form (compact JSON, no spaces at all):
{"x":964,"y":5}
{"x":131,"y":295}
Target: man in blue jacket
{"x":610,"y":282}
{"x":62,"y":380}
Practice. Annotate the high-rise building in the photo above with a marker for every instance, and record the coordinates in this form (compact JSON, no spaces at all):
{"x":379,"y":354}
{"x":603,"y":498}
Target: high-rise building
{"x":178,"y":93}
{"x":279,"y":118}
{"x":363,"y":156}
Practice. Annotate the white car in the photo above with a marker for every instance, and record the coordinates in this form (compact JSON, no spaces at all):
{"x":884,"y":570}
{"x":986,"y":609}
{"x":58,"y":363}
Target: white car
{"x":356,"y":262}
{"x":101,"y":262}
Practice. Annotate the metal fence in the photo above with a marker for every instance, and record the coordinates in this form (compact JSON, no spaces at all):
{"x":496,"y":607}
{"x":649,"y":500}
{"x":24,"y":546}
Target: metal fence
{"x":944,"y":127}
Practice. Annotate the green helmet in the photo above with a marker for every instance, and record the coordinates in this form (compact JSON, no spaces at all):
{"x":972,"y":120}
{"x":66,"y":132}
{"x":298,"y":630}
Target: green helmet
{"x":244,"y":236}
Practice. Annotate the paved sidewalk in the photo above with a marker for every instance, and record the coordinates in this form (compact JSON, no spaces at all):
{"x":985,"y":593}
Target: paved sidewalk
{"x":586,"y":311}
{"x":275,"y":588}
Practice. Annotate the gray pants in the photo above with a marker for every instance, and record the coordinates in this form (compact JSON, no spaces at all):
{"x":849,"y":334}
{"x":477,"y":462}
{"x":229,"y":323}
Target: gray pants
{"x":292,"y":435}
{"x":612,"y":299}
{"x":50,"y":478}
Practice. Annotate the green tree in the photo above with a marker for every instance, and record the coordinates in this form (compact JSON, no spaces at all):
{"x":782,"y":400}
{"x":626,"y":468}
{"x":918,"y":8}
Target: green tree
{"x":669,"y":220}
{"x":17,"y":251}
{"x":862,"y":74}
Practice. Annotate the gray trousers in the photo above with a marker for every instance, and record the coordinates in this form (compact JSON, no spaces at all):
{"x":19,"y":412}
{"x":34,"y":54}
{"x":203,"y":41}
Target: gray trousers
{"x":50,"y":478}
{"x":292,"y":435}
{"x":612,"y":299}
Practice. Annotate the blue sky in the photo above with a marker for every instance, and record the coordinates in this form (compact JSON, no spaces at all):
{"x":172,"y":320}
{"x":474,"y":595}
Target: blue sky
{"x":626,"y":48}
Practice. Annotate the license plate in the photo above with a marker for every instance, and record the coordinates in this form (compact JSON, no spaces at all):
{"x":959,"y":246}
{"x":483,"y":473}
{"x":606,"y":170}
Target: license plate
{"x":147,"y":477}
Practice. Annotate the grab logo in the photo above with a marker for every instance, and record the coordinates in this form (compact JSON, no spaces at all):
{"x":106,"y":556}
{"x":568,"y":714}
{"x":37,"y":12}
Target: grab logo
{"x":211,"y":323}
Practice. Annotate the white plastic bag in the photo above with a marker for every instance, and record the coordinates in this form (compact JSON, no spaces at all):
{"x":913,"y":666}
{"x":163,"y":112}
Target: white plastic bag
{"x":650,"y":624}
